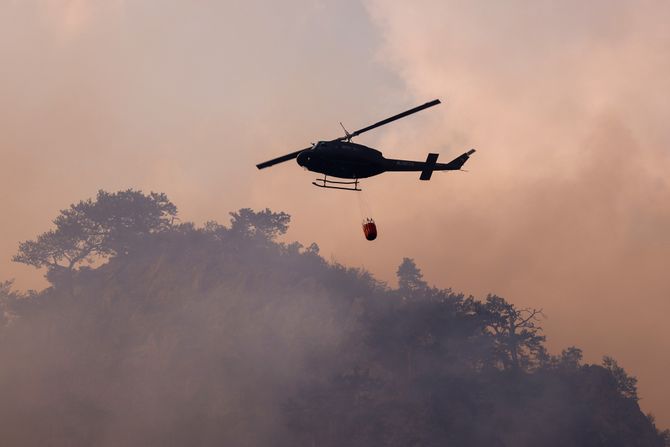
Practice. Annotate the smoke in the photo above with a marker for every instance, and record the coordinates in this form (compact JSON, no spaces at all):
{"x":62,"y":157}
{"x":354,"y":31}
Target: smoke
{"x":220,"y":336}
{"x":179,"y":97}
{"x":565,"y":206}
{"x":178,"y":345}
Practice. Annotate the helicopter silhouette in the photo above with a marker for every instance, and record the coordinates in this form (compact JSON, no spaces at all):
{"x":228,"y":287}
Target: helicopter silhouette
{"x":342,"y":159}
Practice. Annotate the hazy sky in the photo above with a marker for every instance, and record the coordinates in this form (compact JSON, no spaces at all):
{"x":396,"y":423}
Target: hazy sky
{"x":565,"y":207}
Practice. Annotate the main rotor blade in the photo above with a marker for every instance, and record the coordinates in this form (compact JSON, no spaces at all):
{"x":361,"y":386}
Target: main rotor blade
{"x":391,"y":119}
{"x":281,"y":159}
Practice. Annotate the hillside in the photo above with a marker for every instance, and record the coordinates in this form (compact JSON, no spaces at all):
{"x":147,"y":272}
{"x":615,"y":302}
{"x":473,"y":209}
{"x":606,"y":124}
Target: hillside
{"x":223,"y":336}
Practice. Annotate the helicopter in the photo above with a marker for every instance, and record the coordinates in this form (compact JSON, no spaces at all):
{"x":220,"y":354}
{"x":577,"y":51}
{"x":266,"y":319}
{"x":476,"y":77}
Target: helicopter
{"x":342,"y":159}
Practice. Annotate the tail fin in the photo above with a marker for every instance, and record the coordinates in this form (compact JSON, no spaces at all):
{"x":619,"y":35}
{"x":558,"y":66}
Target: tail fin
{"x":427,"y":172}
{"x":458,"y":162}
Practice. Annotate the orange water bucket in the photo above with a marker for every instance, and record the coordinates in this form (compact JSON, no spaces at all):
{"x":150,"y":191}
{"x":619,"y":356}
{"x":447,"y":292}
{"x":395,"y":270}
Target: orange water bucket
{"x":370,"y":229}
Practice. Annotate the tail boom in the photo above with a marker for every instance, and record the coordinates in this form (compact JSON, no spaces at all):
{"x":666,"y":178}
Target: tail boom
{"x":429,"y":166}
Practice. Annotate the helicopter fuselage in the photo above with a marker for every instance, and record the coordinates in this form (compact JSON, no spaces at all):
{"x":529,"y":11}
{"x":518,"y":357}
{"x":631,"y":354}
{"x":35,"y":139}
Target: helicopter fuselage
{"x":343,"y":159}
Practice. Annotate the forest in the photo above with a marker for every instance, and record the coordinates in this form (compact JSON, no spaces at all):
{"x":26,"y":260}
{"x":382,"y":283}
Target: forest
{"x":156,"y":331}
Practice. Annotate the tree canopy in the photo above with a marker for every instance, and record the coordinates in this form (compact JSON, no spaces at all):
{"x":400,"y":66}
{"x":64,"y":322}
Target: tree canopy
{"x":265,"y":224}
{"x":223,"y":335}
{"x":112,"y":224}
{"x":409,"y":276}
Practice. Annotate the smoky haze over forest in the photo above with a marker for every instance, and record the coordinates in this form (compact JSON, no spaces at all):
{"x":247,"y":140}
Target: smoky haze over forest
{"x":565,"y":207}
{"x":220,"y":335}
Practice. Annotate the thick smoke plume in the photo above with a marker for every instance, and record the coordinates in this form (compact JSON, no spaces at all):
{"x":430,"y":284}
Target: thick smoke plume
{"x":566,"y":203}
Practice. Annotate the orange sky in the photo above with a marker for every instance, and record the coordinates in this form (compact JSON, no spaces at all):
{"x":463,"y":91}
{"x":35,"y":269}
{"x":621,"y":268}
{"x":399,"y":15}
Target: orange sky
{"x":565,"y":206}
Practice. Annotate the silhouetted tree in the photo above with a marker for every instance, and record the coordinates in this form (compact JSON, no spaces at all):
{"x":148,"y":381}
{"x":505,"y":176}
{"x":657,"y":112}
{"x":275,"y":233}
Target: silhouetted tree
{"x":313,"y":249}
{"x":264,"y":225}
{"x":111,"y":224}
{"x":410,"y":278}
{"x":517,"y":338}
{"x":626,"y":385}
{"x":571,"y":358}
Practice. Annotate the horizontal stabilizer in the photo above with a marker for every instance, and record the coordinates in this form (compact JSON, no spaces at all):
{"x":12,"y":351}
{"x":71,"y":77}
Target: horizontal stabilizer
{"x":427,"y":172}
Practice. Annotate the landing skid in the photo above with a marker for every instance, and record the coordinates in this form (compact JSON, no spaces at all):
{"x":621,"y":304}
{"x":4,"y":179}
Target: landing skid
{"x":325,"y":183}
